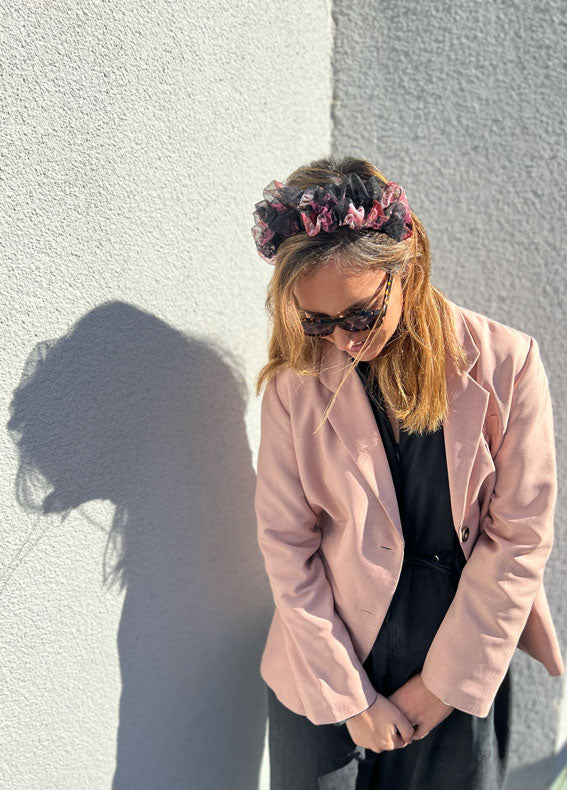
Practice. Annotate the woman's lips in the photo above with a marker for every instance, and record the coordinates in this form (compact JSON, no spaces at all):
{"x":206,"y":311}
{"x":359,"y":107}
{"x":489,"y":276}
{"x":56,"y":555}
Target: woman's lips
{"x":356,"y":346}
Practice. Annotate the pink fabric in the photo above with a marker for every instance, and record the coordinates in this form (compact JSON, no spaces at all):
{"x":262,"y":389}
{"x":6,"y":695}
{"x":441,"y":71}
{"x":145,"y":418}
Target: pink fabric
{"x":329,"y":528}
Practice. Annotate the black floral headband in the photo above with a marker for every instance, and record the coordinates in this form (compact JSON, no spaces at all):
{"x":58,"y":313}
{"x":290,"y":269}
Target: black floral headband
{"x":286,"y":211}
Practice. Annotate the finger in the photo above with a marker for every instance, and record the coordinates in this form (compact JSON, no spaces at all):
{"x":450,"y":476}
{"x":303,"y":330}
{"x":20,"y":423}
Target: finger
{"x":420,"y":732}
{"x":399,"y":742}
{"x":405,"y":728}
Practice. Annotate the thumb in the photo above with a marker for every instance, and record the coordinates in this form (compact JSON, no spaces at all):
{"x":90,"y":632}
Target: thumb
{"x":405,"y":727}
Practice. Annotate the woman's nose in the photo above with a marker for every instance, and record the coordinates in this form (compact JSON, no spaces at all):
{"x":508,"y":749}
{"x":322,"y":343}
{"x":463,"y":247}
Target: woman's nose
{"x":342,"y":338}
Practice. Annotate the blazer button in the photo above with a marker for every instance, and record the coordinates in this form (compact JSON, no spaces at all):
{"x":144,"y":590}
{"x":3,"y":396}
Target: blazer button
{"x":464,"y":534}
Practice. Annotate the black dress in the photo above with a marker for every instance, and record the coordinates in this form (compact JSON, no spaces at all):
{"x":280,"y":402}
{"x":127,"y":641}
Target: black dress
{"x":463,"y":752}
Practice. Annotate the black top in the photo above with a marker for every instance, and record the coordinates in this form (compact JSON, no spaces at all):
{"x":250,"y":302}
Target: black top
{"x":419,"y":472}
{"x":454,"y":754}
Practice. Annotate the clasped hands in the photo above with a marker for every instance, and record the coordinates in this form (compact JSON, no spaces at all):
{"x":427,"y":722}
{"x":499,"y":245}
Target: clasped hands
{"x":407,"y":715}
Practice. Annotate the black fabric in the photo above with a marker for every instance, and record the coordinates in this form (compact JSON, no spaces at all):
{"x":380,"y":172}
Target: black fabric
{"x":422,"y":486}
{"x":464,"y":752}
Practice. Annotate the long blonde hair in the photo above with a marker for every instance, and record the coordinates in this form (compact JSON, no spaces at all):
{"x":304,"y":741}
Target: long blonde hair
{"x":410,"y":369}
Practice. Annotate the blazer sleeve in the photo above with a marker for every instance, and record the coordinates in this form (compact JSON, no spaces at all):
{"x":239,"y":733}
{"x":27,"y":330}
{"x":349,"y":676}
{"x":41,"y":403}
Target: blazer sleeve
{"x":330,"y":679}
{"x":474,"y":644}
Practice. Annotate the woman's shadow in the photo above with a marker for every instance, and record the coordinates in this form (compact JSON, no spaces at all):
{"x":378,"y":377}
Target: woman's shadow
{"x":125,"y":408}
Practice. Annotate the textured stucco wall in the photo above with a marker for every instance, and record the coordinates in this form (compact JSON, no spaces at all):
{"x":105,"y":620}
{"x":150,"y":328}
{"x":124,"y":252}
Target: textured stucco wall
{"x":136,"y":138}
{"x":464,"y":104}
{"x":131,"y":637}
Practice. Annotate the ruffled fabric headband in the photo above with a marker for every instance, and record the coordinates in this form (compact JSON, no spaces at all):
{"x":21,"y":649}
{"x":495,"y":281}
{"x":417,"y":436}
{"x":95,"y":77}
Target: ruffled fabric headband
{"x":286,"y":211}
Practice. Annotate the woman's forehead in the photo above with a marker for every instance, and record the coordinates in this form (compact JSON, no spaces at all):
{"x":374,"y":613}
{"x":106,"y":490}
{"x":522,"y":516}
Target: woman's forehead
{"x":332,"y":292}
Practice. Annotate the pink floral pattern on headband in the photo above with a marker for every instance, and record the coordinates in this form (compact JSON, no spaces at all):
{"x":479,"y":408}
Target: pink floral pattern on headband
{"x":286,"y":211}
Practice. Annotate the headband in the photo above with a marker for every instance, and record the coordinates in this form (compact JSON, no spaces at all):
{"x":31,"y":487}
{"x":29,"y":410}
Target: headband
{"x":286,"y":211}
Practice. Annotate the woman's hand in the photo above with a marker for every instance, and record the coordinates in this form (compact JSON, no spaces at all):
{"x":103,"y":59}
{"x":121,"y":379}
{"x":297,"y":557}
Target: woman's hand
{"x":420,"y":705}
{"x":381,"y":727}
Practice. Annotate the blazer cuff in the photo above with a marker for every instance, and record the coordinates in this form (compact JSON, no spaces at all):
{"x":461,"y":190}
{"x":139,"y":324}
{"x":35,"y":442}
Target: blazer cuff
{"x":344,"y":721}
{"x":459,"y":697}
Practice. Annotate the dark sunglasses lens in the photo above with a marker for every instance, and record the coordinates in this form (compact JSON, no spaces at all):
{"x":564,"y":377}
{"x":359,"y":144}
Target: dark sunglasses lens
{"x":360,"y":323}
{"x":316,"y":328}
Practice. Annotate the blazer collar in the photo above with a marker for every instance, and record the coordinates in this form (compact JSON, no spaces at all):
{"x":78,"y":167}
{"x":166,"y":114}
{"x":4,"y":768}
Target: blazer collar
{"x":352,"y":418}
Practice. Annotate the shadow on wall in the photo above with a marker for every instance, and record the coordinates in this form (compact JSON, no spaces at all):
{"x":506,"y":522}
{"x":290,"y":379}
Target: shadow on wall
{"x":540,"y":775}
{"x":127,"y":409}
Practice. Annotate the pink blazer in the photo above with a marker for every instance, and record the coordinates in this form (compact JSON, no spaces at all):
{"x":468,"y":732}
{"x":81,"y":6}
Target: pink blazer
{"x":329,"y":528}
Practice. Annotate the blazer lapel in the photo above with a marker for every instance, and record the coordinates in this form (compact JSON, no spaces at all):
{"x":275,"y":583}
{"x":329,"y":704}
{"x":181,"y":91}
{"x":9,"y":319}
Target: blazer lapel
{"x":462,"y":427}
{"x":353,"y":420}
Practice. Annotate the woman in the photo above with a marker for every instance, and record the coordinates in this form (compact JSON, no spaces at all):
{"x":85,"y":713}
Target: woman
{"x":405,"y":498}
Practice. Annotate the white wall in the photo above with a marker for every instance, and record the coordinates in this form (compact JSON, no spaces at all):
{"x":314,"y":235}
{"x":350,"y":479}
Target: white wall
{"x":136,"y":139}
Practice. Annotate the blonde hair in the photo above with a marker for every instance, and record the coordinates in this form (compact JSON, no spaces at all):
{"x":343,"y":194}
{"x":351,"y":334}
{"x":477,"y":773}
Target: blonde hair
{"x":410,"y":369}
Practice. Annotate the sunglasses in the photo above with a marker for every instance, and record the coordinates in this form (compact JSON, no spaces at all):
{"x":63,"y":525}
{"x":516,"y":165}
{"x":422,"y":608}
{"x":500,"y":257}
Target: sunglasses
{"x":360,"y":321}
